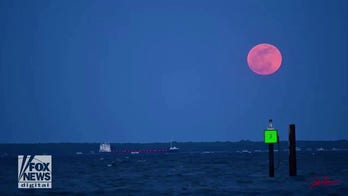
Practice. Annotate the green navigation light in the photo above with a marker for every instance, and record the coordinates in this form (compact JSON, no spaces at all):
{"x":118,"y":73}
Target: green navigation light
{"x":271,"y":136}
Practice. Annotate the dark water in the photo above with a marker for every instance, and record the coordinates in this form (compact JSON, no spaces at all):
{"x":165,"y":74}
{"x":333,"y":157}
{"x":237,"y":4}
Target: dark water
{"x":184,"y":173}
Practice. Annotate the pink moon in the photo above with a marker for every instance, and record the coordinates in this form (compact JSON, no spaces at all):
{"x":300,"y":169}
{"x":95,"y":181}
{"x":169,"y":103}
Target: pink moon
{"x":264,"y":59}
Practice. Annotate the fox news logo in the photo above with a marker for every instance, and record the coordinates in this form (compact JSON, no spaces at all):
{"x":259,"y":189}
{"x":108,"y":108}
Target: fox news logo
{"x":34,"y":171}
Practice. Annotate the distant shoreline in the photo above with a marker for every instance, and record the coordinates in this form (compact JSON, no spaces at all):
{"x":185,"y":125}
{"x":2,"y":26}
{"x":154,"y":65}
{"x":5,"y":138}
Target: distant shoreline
{"x":179,"y":142}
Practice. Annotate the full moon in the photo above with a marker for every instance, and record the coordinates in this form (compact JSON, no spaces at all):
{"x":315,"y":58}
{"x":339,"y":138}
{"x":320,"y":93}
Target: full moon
{"x":264,"y":59}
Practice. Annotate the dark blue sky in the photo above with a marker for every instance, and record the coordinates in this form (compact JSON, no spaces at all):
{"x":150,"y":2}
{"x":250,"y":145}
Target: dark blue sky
{"x":155,"y":71}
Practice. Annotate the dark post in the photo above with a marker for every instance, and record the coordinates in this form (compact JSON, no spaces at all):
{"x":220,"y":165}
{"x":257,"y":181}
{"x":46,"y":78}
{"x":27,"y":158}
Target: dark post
{"x":271,"y":159}
{"x":292,"y":151}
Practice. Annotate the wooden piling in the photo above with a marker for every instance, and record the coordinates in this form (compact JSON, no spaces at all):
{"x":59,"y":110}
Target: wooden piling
{"x":271,"y":159}
{"x":292,"y":151}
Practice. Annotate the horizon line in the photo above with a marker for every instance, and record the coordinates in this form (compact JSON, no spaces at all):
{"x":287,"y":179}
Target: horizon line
{"x":226,"y":141}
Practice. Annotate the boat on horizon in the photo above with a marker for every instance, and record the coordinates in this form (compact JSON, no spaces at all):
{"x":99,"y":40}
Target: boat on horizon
{"x":173,"y":148}
{"x":104,"y":147}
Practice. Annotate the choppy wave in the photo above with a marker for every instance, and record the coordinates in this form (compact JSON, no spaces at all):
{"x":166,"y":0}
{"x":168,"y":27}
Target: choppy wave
{"x":186,"y":173}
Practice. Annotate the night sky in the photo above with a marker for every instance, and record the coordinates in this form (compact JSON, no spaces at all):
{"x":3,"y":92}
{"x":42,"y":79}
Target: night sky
{"x":156,"y":71}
